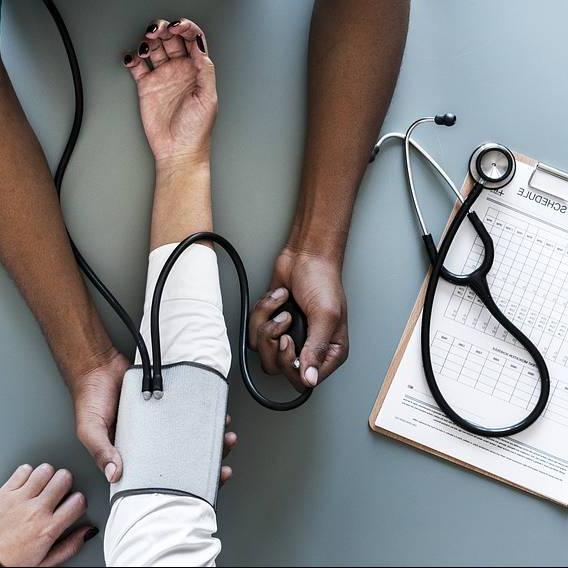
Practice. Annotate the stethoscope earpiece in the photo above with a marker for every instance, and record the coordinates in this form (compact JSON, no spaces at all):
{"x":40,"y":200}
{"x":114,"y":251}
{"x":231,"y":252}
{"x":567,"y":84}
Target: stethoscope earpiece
{"x":492,"y":165}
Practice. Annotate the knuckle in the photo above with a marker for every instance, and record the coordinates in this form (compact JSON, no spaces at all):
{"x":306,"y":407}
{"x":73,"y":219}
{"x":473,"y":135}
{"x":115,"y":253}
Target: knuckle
{"x":50,"y":532}
{"x":266,"y":329}
{"x":320,"y":349}
{"x":331,"y":312}
{"x":100,"y":455}
{"x":264,"y":302}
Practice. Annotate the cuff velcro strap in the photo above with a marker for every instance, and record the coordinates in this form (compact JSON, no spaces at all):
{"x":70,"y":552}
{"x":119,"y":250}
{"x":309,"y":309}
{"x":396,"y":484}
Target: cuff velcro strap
{"x":173,"y":445}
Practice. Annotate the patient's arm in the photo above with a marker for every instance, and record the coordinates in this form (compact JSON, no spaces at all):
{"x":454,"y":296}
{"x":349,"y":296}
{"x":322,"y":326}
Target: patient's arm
{"x":35,"y":250}
{"x":148,"y":525}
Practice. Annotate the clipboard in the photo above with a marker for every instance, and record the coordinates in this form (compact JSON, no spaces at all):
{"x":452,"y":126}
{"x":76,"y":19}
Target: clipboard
{"x":545,"y":179}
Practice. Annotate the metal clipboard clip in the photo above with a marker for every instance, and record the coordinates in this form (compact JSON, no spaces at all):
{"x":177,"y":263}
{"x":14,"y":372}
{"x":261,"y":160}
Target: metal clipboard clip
{"x":549,"y":180}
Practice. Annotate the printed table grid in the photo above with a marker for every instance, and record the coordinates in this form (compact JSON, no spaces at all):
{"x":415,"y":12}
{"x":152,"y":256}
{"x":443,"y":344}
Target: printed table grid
{"x":496,"y":375}
{"x":529,"y":282}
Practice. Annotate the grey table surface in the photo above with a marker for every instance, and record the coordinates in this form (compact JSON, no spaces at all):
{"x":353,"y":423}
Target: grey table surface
{"x":313,"y":487}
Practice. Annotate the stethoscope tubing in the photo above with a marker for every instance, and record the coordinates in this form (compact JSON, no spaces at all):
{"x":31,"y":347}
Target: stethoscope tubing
{"x":478,"y":282}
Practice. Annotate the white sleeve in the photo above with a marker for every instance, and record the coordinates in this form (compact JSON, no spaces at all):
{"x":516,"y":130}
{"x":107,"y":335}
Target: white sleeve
{"x":169,"y":530}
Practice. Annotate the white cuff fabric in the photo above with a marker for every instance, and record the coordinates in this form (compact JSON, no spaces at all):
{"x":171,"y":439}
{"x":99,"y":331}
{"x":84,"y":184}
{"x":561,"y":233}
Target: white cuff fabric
{"x":160,"y":529}
{"x":192,"y":325}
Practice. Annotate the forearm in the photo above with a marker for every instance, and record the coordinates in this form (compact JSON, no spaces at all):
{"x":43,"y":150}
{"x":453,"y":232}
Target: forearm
{"x":35,"y":249}
{"x":182,"y":201}
{"x":355,"y":52}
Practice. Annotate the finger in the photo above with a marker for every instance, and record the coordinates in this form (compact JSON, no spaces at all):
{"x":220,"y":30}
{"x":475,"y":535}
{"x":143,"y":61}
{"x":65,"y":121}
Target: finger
{"x":153,"y":49}
{"x":321,"y":328}
{"x":37,"y":480}
{"x":286,"y":362}
{"x":262,"y":312}
{"x":188,"y":31}
{"x":137,"y":66}
{"x":337,"y":353}
{"x":268,"y":341}
{"x":174,"y":45}
{"x":69,"y":512}
{"x":59,"y":486}
{"x":229,"y":443}
{"x":18,"y":478}
{"x":69,"y":546}
{"x":196,"y":45}
{"x":226,"y":474}
{"x":95,"y":437}
{"x":153,"y":27}
{"x":228,"y":420}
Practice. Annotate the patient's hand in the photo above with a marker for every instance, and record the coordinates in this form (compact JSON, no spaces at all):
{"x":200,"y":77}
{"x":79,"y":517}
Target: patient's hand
{"x":35,"y":510}
{"x":176,"y":87}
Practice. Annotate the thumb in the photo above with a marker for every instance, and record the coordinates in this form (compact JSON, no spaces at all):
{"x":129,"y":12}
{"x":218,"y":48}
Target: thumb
{"x":94,"y":435}
{"x":70,"y":546}
{"x":321,"y":327}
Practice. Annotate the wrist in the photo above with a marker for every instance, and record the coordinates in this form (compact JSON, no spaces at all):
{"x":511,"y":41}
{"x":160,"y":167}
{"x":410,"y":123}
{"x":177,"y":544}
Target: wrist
{"x":96,"y":359}
{"x":82,"y":344}
{"x":182,"y":174}
{"x":311,"y":238}
{"x":184,"y":164}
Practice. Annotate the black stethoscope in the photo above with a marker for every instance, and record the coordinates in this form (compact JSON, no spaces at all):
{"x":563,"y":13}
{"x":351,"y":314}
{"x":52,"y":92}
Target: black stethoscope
{"x":491,"y":166}
{"x":152,"y":380}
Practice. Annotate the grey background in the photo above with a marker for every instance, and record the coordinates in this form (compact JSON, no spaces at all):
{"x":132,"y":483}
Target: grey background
{"x":313,"y":487}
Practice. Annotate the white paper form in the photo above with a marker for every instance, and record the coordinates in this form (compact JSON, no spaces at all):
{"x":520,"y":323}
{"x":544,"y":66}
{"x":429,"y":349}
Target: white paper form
{"x":481,"y":369}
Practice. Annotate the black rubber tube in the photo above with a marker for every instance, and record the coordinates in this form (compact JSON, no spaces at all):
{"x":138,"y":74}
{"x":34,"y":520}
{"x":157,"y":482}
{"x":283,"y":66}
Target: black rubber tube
{"x":243,"y":328}
{"x":478,"y":283}
{"x":58,"y":180}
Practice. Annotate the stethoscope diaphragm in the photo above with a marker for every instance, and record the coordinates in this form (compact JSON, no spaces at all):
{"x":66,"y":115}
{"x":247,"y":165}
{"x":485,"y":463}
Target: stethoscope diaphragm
{"x":492,"y":165}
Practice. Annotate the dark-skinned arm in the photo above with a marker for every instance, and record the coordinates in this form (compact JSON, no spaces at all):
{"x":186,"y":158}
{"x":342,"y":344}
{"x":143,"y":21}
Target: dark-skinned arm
{"x":355,"y":52}
{"x":35,"y":250}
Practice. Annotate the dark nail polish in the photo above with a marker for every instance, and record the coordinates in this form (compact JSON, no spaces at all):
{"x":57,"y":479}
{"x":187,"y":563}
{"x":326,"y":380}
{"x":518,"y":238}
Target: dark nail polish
{"x":174,"y":24}
{"x":127,"y":59}
{"x":152,"y":28}
{"x":200,"y":44}
{"x":143,"y":49}
{"x":91,"y":533}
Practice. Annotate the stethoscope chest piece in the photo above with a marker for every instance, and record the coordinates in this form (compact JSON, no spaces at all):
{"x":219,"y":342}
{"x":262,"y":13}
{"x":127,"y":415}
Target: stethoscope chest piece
{"x":492,"y":165}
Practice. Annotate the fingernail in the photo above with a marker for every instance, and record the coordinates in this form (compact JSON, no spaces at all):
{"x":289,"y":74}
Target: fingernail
{"x":200,"y":44}
{"x":283,"y":343}
{"x":278,"y":293}
{"x":311,"y":376}
{"x":110,"y":470}
{"x":174,"y":24}
{"x":151,"y":28}
{"x":127,"y":59}
{"x":143,"y":49}
{"x":91,"y":533}
{"x":279,"y":318}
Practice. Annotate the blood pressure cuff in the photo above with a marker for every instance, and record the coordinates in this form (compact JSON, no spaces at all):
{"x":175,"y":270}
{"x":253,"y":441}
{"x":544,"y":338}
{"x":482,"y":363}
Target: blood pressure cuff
{"x":173,"y":445}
